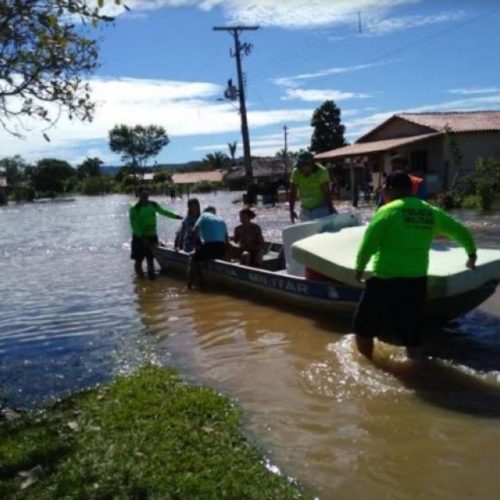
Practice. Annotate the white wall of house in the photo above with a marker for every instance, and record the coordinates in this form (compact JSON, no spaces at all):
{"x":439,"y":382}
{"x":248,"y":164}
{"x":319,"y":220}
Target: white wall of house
{"x":472,"y":145}
{"x":476,"y":145}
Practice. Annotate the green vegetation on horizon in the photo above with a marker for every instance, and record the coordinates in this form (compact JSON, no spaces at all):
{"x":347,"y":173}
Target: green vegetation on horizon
{"x":148,"y":435}
{"x":475,"y":191}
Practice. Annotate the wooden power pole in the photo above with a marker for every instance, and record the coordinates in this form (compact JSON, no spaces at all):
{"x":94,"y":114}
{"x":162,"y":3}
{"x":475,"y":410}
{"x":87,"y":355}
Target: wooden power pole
{"x":240,"y":48}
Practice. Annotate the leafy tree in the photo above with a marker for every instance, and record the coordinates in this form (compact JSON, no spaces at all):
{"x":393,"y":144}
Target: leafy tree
{"x":91,"y":167}
{"x":161,"y":176}
{"x":217,"y":160}
{"x":123,"y":172}
{"x":15,"y":169}
{"x":46,"y":47}
{"x":138,"y":144}
{"x":52,"y":175}
{"x":328,"y":129}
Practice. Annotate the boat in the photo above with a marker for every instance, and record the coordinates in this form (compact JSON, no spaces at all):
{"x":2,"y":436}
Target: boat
{"x":447,"y":273}
{"x":285,"y":283}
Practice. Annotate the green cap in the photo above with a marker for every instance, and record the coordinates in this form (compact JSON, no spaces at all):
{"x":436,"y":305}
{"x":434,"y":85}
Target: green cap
{"x":304,"y":158}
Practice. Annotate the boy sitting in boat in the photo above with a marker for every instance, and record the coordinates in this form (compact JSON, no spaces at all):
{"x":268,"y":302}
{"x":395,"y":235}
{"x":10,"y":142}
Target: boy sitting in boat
{"x":186,"y":239}
{"x":247,"y":241}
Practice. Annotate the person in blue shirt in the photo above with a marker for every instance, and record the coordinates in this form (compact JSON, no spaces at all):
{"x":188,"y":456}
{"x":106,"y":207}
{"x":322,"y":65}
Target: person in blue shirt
{"x":185,"y":239}
{"x":212,"y":232}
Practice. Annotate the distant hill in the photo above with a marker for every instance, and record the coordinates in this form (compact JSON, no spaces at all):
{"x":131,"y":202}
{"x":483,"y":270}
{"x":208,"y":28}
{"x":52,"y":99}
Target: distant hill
{"x":113,"y":169}
{"x":110,"y":170}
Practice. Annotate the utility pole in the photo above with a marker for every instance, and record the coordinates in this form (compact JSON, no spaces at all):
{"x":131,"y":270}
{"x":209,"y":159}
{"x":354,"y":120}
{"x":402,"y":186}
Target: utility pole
{"x":285,"y":158}
{"x":240,"y":48}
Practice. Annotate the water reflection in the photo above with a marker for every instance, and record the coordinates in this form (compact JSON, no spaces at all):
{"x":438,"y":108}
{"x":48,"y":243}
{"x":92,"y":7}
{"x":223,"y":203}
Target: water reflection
{"x":447,"y":385}
{"x":73,"y":314}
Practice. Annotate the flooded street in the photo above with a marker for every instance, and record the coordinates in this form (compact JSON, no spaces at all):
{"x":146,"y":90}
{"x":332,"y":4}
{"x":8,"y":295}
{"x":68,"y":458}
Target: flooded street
{"x":73,"y":314}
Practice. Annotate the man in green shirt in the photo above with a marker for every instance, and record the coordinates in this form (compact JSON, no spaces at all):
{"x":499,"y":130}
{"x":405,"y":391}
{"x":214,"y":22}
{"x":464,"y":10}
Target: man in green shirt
{"x":398,"y":239}
{"x":142,"y":218}
{"x":312,"y":182}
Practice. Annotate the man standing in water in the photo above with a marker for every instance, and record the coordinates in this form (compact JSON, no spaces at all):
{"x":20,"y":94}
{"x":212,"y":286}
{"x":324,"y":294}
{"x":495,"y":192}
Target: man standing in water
{"x":399,"y":238}
{"x":142,"y":217}
{"x":312,"y":182}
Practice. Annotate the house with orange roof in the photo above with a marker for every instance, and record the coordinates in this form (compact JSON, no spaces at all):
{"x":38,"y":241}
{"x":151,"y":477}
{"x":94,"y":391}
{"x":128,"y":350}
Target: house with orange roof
{"x":438,"y":145}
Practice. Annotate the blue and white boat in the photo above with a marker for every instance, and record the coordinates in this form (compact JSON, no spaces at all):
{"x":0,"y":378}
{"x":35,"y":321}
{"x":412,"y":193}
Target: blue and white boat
{"x":281,"y":280}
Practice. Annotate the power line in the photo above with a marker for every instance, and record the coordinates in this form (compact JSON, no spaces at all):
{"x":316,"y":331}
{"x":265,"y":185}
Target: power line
{"x":420,"y":41}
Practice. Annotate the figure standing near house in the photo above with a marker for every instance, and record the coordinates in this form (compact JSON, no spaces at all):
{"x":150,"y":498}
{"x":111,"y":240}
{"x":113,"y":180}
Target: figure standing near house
{"x":399,"y":238}
{"x":185,"y":238}
{"x":312,"y":182}
{"x":248,"y":240}
{"x":212,"y":232}
{"x":418,"y":186}
{"x":142,"y":218}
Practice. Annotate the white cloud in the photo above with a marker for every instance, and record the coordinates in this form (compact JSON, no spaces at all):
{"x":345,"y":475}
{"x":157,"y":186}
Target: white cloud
{"x":316,"y":95}
{"x":470,"y":104}
{"x":269,"y":144}
{"x":75,"y":157}
{"x":303,"y":14}
{"x":360,"y":125}
{"x":290,"y":14}
{"x":475,"y":90}
{"x":377,"y":26}
{"x":295,"y":14}
{"x":183,"y":108}
{"x":291,"y":81}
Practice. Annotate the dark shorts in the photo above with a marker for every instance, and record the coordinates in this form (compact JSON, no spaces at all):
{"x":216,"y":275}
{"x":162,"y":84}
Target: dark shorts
{"x":209,"y":251}
{"x":392,"y":309}
{"x":140,"y":247}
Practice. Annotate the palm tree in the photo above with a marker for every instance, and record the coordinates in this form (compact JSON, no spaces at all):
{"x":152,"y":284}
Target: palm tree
{"x":217,"y":160}
{"x":232,"y":149}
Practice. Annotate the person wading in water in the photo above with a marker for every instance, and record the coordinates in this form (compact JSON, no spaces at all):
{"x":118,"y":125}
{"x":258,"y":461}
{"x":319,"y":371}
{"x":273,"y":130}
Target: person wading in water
{"x":142,"y":218}
{"x":399,"y":238}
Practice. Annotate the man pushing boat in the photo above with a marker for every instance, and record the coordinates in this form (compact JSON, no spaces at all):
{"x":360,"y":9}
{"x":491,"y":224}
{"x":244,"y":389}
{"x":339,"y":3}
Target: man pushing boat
{"x":142,"y":217}
{"x":399,"y":238}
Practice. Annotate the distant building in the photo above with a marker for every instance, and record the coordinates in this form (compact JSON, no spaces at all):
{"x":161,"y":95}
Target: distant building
{"x":147,"y":178}
{"x":266,"y":171}
{"x":191,"y":178}
{"x":438,"y":145}
{"x":183,"y":182}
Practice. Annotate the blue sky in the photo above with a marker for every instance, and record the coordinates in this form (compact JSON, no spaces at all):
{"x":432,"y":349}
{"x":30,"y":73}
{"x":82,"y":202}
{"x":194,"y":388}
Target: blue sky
{"x":161,"y":63}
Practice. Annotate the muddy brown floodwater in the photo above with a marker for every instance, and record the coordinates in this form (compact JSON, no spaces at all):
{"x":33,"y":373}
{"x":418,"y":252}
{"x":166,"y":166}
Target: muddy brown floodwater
{"x":73,"y":314}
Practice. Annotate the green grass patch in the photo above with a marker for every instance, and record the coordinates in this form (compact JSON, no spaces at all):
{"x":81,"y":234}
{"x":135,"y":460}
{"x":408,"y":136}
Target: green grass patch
{"x":148,"y":435}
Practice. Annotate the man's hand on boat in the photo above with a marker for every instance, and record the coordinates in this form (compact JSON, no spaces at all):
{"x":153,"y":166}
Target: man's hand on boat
{"x":471,"y":262}
{"x":293,"y":216}
{"x":359,"y":277}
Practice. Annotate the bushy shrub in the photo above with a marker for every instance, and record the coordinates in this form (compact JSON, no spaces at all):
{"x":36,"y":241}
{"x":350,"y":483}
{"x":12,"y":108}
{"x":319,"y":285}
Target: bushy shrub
{"x":471,"y":201}
{"x":97,"y":185}
{"x":488,"y":181}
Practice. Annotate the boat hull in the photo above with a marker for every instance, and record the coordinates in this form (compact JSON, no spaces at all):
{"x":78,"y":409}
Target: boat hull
{"x":313,"y":296}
